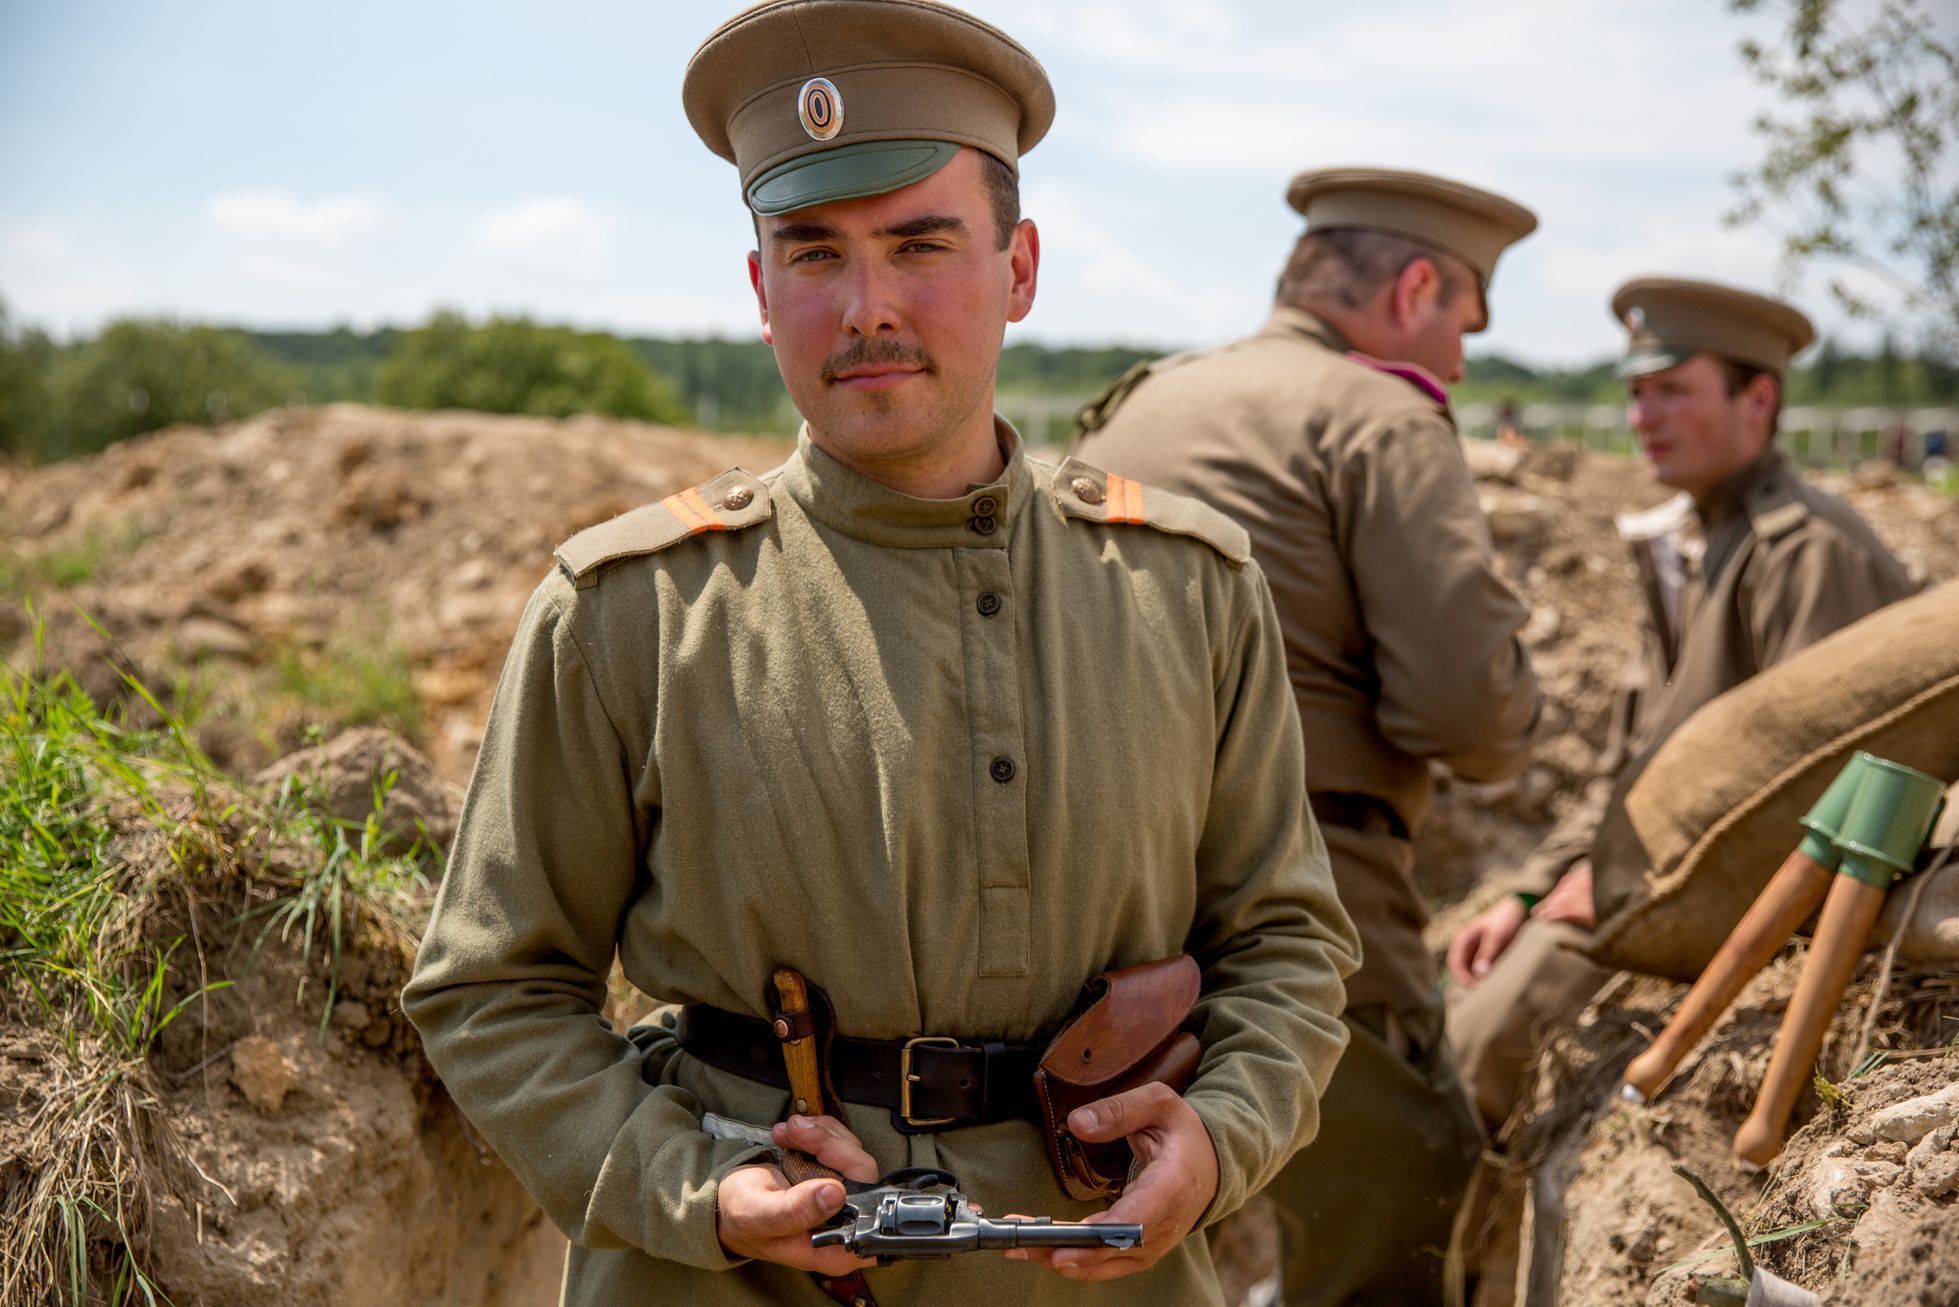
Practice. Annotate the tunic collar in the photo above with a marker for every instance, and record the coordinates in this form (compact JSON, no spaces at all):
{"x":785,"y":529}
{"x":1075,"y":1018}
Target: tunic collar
{"x":1298,"y":323}
{"x":852,"y":503}
{"x":1728,"y":501}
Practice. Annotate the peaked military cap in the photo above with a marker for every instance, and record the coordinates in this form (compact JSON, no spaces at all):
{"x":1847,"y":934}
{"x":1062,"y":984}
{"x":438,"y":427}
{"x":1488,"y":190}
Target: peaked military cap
{"x":1474,"y":225}
{"x":823,"y":100}
{"x":1670,"y":319}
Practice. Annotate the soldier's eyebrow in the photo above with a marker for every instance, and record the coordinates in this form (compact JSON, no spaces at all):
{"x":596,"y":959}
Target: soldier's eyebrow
{"x":927,"y":226}
{"x":797,"y":232}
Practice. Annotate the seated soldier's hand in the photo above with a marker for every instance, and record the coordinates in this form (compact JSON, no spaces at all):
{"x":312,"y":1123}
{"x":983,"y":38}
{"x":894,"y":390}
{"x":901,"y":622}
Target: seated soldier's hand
{"x":1479,"y":944}
{"x":1570,"y":899}
{"x":1168,"y":1194}
{"x":759,"y":1214}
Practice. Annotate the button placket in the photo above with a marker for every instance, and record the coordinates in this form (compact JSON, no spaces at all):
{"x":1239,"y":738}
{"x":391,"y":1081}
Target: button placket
{"x":998,"y":758}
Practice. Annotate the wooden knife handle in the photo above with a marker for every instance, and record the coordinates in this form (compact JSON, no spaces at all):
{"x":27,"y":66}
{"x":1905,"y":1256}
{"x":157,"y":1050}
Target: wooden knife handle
{"x":798,"y":1055}
{"x":1784,"y":903}
{"x":1848,"y":915}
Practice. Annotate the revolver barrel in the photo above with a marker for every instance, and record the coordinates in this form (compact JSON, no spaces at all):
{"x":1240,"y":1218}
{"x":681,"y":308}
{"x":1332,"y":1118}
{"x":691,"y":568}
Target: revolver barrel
{"x":1040,"y":1232}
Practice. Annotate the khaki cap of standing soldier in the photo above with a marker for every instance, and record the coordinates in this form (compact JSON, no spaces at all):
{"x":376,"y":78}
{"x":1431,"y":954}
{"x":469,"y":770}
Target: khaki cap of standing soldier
{"x":1328,"y":436}
{"x":727,"y":741}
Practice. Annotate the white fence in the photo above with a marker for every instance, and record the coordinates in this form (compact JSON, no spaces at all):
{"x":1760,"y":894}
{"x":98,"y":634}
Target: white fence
{"x":1814,"y":435}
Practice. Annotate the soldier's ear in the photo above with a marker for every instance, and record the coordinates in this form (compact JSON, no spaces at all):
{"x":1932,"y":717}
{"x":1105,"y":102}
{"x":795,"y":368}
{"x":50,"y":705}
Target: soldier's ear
{"x":761,"y":294}
{"x":1416,"y":287}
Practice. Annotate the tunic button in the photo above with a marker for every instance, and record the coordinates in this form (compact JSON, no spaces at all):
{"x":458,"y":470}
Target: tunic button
{"x":1002,"y":770}
{"x":982,"y":525}
{"x":739,"y":498}
{"x":984,"y":505}
{"x":989,"y":604}
{"x":1085,"y":490}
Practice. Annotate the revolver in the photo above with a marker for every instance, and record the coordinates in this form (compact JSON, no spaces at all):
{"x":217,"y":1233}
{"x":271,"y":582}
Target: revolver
{"x":919,"y":1212}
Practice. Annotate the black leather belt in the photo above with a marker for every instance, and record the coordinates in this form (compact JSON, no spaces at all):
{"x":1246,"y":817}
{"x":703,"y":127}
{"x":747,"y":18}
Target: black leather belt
{"x":929,"y":1082}
{"x":1361,"y":812}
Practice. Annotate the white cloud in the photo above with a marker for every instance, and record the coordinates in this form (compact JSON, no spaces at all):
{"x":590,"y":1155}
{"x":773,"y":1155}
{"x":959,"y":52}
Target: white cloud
{"x":557,"y":225}
{"x":38,"y":240}
{"x":274,"y":216}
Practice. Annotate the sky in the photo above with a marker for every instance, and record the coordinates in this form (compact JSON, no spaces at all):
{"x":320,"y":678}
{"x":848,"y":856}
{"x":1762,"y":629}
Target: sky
{"x":279,"y":165}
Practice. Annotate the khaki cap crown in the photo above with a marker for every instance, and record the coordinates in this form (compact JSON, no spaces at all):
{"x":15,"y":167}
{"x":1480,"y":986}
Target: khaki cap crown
{"x":822,"y":100}
{"x":1472,"y":224}
{"x":1670,"y":319}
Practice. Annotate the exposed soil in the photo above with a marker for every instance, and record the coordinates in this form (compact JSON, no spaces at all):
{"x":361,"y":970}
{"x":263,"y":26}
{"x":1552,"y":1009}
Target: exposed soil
{"x":236,"y":570}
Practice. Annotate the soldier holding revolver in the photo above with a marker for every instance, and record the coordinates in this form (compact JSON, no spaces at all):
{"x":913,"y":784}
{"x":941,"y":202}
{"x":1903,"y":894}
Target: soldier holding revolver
{"x":946,"y":729}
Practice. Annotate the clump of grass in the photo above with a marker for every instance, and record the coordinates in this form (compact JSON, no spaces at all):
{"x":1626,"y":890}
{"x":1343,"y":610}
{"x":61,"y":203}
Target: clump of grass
{"x":65,"y":566}
{"x":104,"y":828}
{"x":354,"y":682}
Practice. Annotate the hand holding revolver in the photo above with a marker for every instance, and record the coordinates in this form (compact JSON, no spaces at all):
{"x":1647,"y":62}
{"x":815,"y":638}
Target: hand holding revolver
{"x":761,"y":1214}
{"x":1169,"y":1194}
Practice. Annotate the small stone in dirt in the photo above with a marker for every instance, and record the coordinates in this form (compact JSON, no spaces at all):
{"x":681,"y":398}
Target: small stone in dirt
{"x":1934,"y":1165}
{"x":1838,"y":1187}
{"x":1913,"y":1119}
{"x":377,"y":1034}
{"x":351,"y":1016}
{"x":262,"y":1073}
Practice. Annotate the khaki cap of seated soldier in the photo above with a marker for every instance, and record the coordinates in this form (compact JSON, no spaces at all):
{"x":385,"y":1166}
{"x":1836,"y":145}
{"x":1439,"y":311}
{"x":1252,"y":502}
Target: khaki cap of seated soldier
{"x":1668,"y":320}
{"x":1472,"y":224}
{"x":816,"y":101}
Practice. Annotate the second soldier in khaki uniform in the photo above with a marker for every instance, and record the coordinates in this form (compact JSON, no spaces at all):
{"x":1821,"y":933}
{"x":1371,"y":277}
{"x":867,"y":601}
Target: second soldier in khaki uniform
{"x":1328,"y":437}
{"x":1747,"y":566}
{"x":946,"y":729}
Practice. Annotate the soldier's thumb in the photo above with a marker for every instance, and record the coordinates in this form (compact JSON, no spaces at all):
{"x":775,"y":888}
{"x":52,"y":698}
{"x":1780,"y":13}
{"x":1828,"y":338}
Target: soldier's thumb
{"x":808,"y":1205}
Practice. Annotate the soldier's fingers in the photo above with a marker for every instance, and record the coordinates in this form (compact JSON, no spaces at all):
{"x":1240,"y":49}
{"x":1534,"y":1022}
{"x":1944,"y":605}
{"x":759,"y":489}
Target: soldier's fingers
{"x":1121,"y":1115}
{"x":793,"y":1211}
{"x":830,"y":1142}
{"x":1489,"y":947}
{"x":1461,"y":949}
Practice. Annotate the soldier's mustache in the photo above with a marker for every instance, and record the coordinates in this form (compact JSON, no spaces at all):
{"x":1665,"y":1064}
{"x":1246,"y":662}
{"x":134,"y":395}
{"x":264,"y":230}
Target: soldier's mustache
{"x":867,"y":353}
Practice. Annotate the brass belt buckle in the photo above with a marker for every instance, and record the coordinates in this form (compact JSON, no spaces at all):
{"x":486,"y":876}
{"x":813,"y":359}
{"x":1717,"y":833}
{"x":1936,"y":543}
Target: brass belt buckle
{"x":906,"y":1079}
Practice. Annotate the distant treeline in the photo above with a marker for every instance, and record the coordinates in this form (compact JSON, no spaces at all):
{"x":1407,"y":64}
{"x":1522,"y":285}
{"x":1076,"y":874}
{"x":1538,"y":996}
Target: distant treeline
{"x":61,"y":399}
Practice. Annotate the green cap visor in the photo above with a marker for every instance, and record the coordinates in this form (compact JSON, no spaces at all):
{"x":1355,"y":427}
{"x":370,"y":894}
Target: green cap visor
{"x":1647,"y":361}
{"x":848,"y":172}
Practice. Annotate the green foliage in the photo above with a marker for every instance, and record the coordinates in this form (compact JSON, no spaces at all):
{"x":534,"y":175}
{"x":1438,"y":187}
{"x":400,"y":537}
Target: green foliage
{"x":26,"y":406}
{"x":513,"y":365}
{"x":141,"y":374}
{"x":355,"y":680}
{"x":1859,"y":174}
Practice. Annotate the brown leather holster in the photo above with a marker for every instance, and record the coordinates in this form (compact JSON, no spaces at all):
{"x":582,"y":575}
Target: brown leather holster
{"x":1127,"y":1031}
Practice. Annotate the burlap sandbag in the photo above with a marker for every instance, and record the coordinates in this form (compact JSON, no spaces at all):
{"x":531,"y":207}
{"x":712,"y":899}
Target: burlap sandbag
{"x":1692,"y":836}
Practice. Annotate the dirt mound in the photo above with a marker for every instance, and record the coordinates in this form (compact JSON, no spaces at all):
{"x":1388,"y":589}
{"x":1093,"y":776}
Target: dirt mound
{"x":324,"y":566}
{"x":1858,"y":1208}
{"x":281,"y":1141}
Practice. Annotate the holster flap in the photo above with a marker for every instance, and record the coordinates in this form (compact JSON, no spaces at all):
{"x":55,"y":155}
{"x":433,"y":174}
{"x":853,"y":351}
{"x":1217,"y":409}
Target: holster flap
{"x":1129,"y":1013}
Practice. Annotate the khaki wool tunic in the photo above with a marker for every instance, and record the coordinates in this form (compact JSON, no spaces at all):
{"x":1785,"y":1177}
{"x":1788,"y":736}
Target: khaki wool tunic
{"x":1401,"y":640}
{"x":1766,"y":567}
{"x":946,"y":772}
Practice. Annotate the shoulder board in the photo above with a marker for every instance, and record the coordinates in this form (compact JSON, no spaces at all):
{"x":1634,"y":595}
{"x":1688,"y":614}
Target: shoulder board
{"x":1414,"y":374}
{"x":1092,"y":415}
{"x":731,"y":501}
{"x":1088,"y":494}
{"x":1776,"y":506}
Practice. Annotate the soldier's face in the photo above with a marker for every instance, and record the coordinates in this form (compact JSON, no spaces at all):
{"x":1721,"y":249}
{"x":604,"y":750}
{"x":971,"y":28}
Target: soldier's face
{"x":1693,"y":433}
{"x":887,"y":315}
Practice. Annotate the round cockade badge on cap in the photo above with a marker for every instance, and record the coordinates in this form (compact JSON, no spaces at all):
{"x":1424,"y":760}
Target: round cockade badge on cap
{"x":821,"y":108}
{"x":1636,"y":319}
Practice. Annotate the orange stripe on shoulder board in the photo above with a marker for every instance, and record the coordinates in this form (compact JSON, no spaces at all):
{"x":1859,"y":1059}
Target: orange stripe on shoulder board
{"x":1125,"y":500}
{"x":693,"y":511}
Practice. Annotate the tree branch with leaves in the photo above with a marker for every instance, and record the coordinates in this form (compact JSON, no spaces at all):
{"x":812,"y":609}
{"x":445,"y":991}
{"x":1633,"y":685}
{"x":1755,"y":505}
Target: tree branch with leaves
{"x":1859,"y":170}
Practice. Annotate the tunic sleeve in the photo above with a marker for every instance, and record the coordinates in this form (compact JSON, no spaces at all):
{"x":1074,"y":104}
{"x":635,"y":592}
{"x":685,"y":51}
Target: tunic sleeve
{"x":510,"y":983}
{"x":1814,"y":584}
{"x":1270,"y":934}
{"x":1455,"y":681}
